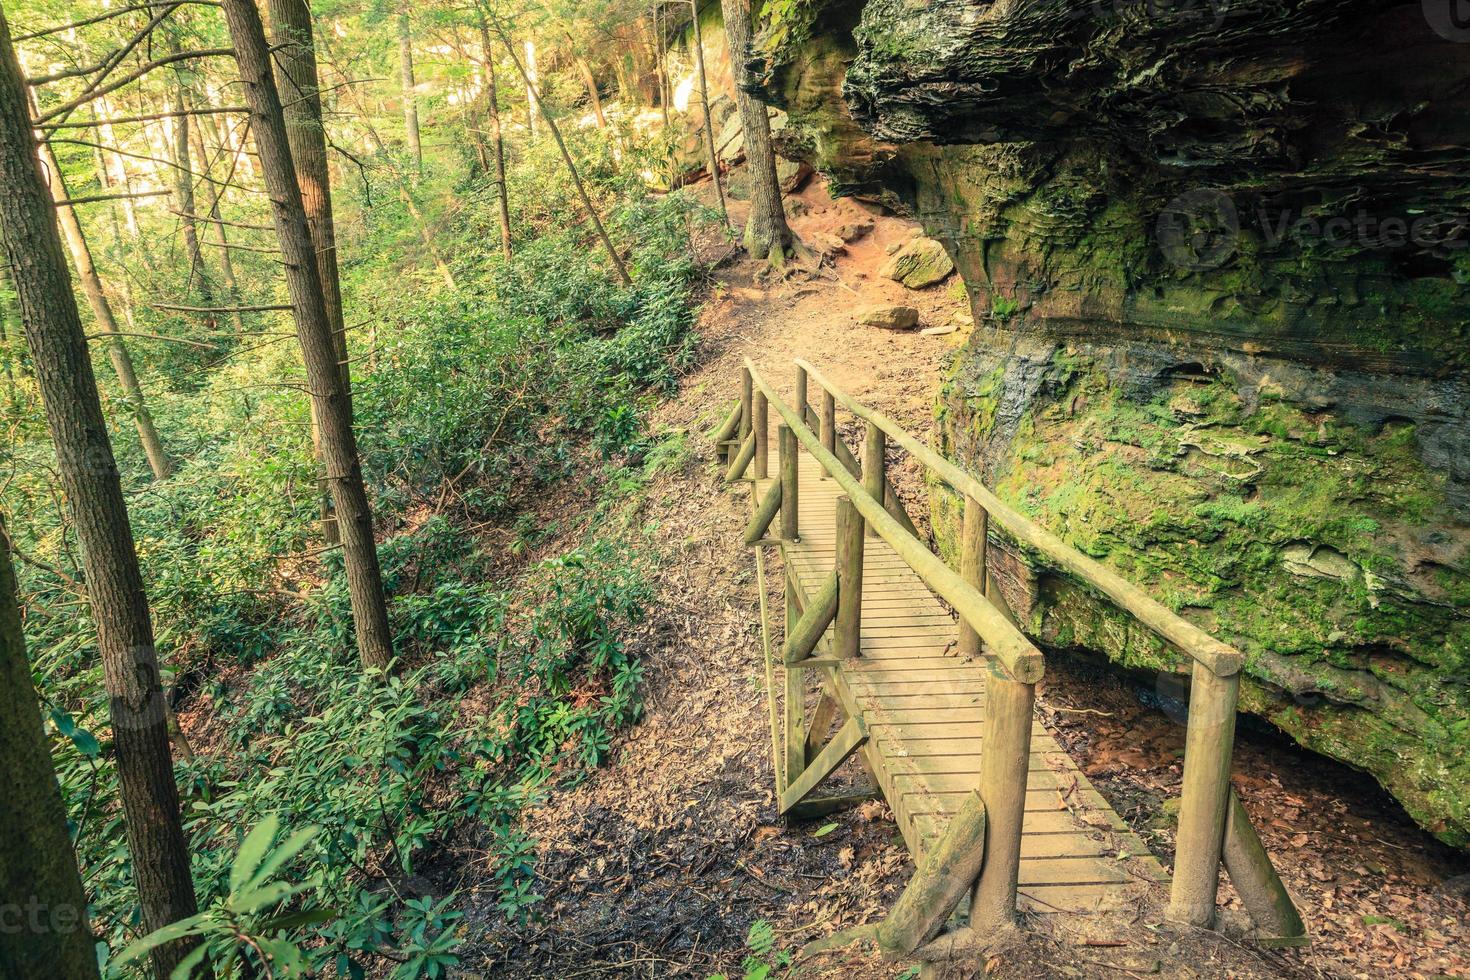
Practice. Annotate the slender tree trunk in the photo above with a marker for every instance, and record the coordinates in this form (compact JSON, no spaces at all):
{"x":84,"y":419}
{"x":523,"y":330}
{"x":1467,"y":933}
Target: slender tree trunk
{"x":217,"y":231}
{"x":150,"y":798}
{"x":566,"y":156}
{"x":314,"y":330}
{"x":117,"y":351}
{"x":497,"y":137}
{"x":528,"y":72}
{"x":767,"y":235}
{"x":38,"y":869}
{"x":590,"y":84}
{"x":709,"y":122}
{"x":184,"y":195}
{"x":660,"y":63}
{"x":410,"y":100}
{"x":296,"y":74}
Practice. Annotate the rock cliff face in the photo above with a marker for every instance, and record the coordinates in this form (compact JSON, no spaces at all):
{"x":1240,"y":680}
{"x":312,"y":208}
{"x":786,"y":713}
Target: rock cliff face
{"x":1217,"y":252}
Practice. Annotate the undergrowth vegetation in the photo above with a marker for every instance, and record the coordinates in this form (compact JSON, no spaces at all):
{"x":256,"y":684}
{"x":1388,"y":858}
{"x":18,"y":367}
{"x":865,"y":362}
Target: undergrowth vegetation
{"x":511,"y":677}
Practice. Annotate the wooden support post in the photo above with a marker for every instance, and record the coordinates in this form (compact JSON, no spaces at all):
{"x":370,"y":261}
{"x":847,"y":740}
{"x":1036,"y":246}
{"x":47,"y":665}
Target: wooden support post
{"x":787,"y":459}
{"x":765,"y":513}
{"x":875,"y":467}
{"x":726,"y":432}
{"x":747,"y":387}
{"x":828,"y":426}
{"x":821,"y":720}
{"x":759,"y":421}
{"x":1255,"y":879}
{"x":795,"y":741}
{"x":742,"y":458}
{"x":852,"y":736}
{"x":801,"y":402}
{"x":1204,"y":796}
{"x":1005,"y":755}
{"x":973,"y":545}
{"x":849,"y":579}
{"x":805,"y":632}
{"x":947,"y":872}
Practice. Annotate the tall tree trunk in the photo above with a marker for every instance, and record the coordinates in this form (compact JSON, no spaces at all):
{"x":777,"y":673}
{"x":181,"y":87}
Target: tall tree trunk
{"x":117,"y":351}
{"x":566,"y":156}
{"x":296,"y":75}
{"x":590,"y":84}
{"x":497,"y":136}
{"x":314,"y":330}
{"x":709,"y":122}
{"x":150,"y":798}
{"x":767,"y":235}
{"x":410,"y":101}
{"x":38,"y":869}
{"x":217,"y":231}
{"x":660,"y":64}
{"x":528,"y":72}
{"x":184,"y":196}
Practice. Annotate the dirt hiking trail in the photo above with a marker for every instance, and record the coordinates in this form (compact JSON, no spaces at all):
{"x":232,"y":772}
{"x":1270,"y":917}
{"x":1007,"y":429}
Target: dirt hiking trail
{"x":658,"y":863}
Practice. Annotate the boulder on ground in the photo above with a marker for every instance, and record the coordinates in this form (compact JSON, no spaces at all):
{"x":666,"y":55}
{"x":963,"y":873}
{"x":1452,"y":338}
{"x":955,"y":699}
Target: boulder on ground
{"x":791,"y":174}
{"x":854,"y":228}
{"x":824,"y":244}
{"x":731,"y":141}
{"x":919,"y":262}
{"x":888,"y":317}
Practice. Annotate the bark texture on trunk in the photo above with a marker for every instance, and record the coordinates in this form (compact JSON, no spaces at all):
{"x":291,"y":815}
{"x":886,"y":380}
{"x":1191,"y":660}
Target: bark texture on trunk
{"x":150,"y":798}
{"x":589,"y":82}
{"x":117,"y":351}
{"x":406,"y":83}
{"x":296,"y":76}
{"x":497,"y":137}
{"x":767,"y":235}
{"x":38,"y":870}
{"x":314,"y":330}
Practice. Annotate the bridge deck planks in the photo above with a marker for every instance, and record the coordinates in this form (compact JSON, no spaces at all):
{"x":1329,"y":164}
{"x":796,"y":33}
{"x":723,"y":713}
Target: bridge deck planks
{"x":924,"y":706}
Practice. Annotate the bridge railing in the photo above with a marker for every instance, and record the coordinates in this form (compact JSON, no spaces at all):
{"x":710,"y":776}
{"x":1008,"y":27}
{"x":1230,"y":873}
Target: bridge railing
{"x":1212,"y":824}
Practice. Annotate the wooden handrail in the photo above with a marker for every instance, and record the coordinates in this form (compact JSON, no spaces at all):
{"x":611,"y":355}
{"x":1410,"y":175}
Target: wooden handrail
{"x":1221,"y":658}
{"x":1020,"y":658}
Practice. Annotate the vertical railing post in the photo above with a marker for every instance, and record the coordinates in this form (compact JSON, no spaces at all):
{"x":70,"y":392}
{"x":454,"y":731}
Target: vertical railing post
{"x":973,"y":560}
{"x":829,"y":426}
{"x":847,"y":625}
{"x":762,"y":436}
{"x":1005,"y":757}
{"x":786,"y":458}
{"x":795,"y":696}
{"x":746,"y":387}
{"x":874,"y":465}
{"x":801,"y":402}
{"x":1205,"y":796}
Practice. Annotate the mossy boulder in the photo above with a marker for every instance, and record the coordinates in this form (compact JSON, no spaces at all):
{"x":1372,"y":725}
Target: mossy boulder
{"x":918,"y":263}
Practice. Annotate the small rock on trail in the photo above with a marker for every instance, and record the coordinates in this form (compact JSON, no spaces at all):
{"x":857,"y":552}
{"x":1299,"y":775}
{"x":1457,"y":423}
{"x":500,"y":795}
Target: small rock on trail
{"x":888,"y":317}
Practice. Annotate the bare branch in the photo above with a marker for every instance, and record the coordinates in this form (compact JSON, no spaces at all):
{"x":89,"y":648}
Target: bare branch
{"x":152,"y":336}
{"x":222,"y":309}
{"x":72,"y":202}
{"x":120,"y":11}
{"x":95,"y":93}
{"x":91,"y":123}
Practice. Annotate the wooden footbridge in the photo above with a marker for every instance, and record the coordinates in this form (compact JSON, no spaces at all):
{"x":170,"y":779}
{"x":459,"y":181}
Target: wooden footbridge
{"x":938,"y":705}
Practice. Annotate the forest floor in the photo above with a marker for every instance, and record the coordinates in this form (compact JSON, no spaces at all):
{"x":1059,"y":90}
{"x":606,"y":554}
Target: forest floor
{"x":658,"y":863}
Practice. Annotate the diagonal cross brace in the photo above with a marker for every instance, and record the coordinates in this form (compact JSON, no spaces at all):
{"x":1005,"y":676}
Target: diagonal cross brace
{"x":849,"y":738}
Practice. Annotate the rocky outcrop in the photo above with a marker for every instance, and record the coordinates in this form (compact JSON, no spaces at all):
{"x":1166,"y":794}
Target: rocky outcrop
{"x":1217,"y":255}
